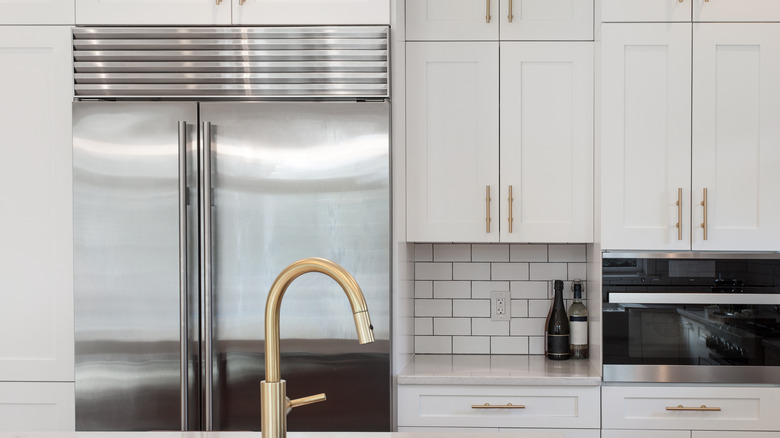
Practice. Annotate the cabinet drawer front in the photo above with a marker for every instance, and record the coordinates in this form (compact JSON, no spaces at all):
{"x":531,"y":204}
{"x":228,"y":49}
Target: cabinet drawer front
{"x":659,"y":408}
{"x":453,"y":406}
{"x":646,"y":433}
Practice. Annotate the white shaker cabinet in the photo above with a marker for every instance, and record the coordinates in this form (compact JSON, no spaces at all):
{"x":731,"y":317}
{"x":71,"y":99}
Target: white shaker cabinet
{"x":37,"y":406}
{"x":736,"y":136}
{"x":454,"y":192}
{"x":526,"y":20}
{"x":689,"y":10}
{"x":646,"y":136}
{"x":735,"y":10}
{"x":40,"y":12}
{"x":452,"y":141}
{"x":546,"y":139}
{"x":657,"y":159}
{"x":236,"y":12}
{"x":36,"y":225}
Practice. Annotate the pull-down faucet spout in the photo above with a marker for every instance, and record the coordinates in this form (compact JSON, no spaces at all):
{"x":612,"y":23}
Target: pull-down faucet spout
{"x":275,"y":404}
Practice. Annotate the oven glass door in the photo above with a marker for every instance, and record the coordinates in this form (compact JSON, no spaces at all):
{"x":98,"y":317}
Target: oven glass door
{"x":662,"y":315}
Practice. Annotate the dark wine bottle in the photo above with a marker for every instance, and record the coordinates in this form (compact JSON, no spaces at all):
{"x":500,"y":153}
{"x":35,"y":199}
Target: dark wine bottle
{"x":558,"y":327}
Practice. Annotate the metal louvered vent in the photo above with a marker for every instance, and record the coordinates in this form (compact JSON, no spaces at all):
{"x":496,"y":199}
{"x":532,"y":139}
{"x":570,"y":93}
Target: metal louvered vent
{"x":208,"y":62}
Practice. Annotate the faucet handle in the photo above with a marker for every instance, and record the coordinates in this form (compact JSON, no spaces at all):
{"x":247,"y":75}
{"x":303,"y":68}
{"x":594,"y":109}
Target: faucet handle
{"x":303,"y":401}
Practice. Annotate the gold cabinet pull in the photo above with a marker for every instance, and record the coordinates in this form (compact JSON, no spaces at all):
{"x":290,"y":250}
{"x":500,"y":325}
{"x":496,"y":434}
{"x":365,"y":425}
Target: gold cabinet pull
{"x":241,"y":2}
{"x":704,"y":204}
{"x":487,"y":11}
{"x":487,"y":209}
{"x":510,"y":199}
{"x":679,"y":213}
{"x":219,"y":2}
{"x":509,"y":17}
{"x":691,"y":408}
{"x":506,"y":406}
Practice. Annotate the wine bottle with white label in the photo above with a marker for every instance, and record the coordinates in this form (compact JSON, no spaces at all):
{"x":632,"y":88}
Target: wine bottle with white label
{"x":578,"y":324}
{"x":558,"y":327}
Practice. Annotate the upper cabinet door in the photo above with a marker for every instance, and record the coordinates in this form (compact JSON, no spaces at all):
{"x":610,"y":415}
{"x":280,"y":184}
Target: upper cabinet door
{"x":452,"y":142}
{"x":452,"y":20}
{"x":36,"y":215}
{"x":293,"y":12}
{"x":736,"y":136}
{"x":158,"y":12}
{"x":37,"y":12}
{"x":735,"y":10}
{"x":649,"y":10}
{"x":645,"y":136}
{"x":546,"y":19}
{"x":547,"y":142}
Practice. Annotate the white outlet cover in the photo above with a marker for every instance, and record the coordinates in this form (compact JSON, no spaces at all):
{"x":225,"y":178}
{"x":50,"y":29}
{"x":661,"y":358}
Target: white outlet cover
{"x":500,"y":306}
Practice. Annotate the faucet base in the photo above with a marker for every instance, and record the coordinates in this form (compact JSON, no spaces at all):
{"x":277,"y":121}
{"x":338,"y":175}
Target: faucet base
{"x":273,"y":400}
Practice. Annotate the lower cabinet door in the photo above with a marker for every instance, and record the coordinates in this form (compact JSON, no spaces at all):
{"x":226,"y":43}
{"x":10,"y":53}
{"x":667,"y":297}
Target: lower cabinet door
{"x":732,"y":434}
{"x":556,"y":433}
{"x":37,"y":406}
{"x":646,"y":433}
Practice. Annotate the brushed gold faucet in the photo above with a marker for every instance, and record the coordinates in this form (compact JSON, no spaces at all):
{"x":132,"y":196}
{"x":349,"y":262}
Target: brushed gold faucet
{"x":273,"y":390}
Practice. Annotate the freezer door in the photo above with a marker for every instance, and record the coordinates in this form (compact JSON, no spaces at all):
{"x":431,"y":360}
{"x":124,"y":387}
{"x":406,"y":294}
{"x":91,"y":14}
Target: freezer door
{"x":294,"y":180}
{"x":127,"y":242}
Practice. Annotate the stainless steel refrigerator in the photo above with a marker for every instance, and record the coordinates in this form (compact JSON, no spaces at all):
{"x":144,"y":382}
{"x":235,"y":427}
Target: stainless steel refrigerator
{"x":185,"y":210}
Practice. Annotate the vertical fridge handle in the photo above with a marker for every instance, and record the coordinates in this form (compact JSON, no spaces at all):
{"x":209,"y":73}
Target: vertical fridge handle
{"x":206,"y":292}
{"x":183,"y":311}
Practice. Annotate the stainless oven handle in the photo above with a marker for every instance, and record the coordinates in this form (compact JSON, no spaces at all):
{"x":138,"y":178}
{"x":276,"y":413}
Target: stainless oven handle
{"x":693,"y":298}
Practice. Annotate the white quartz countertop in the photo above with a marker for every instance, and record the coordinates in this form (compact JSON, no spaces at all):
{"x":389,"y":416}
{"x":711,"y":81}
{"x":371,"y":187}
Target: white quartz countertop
{"x":497,"y":370}
{"x":289,"y":434}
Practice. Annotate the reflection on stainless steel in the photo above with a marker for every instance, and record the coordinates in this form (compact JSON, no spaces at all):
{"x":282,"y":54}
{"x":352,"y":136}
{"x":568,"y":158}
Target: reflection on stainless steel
{"x":692,"y":374}
{"x":289,"y":180}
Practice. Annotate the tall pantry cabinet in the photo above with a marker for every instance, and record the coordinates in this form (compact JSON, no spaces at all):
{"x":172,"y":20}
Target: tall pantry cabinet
{"x":499,"y":121}
{"x":36,"y":267}
{"x":690,"y":139}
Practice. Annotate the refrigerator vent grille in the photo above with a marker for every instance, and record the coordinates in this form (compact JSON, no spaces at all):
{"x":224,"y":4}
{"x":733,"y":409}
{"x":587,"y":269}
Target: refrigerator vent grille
{"x":268,"y":62}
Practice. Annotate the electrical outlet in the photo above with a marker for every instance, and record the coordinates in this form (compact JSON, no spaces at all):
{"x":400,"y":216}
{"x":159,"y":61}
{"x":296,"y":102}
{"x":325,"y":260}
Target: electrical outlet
{"x":500,"y":306}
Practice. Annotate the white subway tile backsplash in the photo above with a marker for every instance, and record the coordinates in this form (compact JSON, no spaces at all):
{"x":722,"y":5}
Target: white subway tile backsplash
{"x":488,"y":327}
{"x":471,"y":308}
{"x":527,"y":253}
{"x":433,"y":308}
{"x":451,"y":253}
{"x":453,"y":283}
{"x":433,"y":271}
{"x":423,"y":252}
{"x":423,"y":289}
{"x":548,"y":271}
{"x":482,"y":289}
{"x":538,"y":308}
{"x":490,"y":253}
{"x":530,"y":289}
{"x":509,"y":271}
{"x":452,"y":289}
{"x":519,"y":308}
{"x":509,"y":345}
{"x":527,"y":327}
{"x":423,"y":326}
{"x":433,"y":344}
{"x":471,"y":345}
{"x":536,"y":345}
{"x":471,"y":271}
{"x":452,"y":326}
{"x":567,"y":253}
{"x":578,"y":271}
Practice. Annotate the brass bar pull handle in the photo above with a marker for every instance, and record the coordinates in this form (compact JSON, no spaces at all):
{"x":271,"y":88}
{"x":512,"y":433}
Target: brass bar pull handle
{"x":241,"y":2}
{"x":506,"y":406}
{"x":509,"y":17}
{"x":303,"y":401}
{"x":219,"y":2}
{"x":487,"y":11}
{"x":704,"y":204}
{"x":692,"y":408}
{"x":679,"y":213}
{"x":511,"y":219}
{"x":487,"y":209}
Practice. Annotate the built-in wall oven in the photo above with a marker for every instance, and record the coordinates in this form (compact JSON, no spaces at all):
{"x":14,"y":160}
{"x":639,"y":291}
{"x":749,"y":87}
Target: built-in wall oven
{"x":691,"y":317}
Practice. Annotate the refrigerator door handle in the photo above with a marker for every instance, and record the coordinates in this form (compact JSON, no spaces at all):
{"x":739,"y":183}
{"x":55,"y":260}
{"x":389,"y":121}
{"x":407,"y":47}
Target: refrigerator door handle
{"x":206,"y":288}
{"x":183,"y":311}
